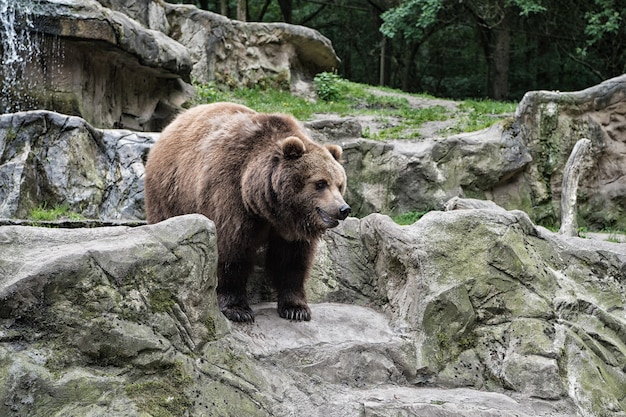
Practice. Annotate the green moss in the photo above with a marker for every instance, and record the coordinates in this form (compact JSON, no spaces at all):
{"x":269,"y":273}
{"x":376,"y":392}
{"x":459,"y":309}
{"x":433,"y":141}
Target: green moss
{"x":163,"y":397}
{"x":468,"y":342}
{"x":211,"y":328}
{"x":261,"y":80}
{"x":161,"y":300}
{"x":550,"y":140}
{"x":58,"y":360}
{"x":10,"y":134}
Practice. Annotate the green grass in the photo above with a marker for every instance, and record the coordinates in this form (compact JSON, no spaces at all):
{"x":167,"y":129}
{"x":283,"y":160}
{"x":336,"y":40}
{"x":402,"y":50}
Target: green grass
{"x":43,"y":213}
{"x":408,"y":218}
{"x":480,"y":114}
{"x":346,"y":98}
{"x":615,"y":236}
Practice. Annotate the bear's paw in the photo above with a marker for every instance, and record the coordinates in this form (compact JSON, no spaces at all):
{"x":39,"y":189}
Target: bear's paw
{"x":235,"y":308}
{"x":295,"y":312}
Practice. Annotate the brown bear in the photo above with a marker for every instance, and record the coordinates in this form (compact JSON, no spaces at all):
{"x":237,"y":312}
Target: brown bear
{"x":263,"y":182}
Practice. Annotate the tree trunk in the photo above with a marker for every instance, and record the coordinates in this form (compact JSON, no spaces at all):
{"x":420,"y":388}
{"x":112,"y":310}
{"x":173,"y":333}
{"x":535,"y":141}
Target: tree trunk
{"x":286,"y":7}
{"x":501,"y":50}
{"x":224,"y":7}
{"x":242,"y":9}
{"x":495,"y":38}
{"x":408,"y":76}
{"x":383,"y":61}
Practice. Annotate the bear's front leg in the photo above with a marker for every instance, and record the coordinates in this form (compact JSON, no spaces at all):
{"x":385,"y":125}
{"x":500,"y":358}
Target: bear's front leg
{"x":288,"y":264}
{"x":231,"y":290}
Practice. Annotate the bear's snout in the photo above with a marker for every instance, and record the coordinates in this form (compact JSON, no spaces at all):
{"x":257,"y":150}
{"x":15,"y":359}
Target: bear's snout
{"x":344,"y":211}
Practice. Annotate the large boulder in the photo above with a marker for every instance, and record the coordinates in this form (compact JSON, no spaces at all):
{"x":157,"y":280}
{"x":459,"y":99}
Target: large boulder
{"x":80,"y":58}
{"x":465,"y":313}
{"x":129,"y":64}
{"x":551,"y":123}
{"x":105,"y":321}
{"x":493,"y":302}
{"x":233,"y":53}
{"x":48,"y":159}
{"x":396,"y":177}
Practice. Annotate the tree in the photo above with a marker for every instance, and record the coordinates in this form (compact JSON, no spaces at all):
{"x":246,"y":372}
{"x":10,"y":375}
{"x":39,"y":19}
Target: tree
{"x":417,"y":20}
{"x":461,"y":48}
{"x":286,"y":7}
{"x":242,"y":10}
{"x":605,"y":38}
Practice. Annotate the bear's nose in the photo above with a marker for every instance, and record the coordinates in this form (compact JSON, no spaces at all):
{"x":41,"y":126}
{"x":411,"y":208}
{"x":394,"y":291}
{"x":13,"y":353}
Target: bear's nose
{"x":344,"y":211}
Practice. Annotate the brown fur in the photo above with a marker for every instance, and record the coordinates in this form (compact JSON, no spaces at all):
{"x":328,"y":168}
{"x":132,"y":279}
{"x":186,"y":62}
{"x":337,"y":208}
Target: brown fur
{"x":263,"y":181}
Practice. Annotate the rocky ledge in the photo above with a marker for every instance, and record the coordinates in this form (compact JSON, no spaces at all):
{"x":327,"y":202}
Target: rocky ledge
{"x":129,"y":64}
{"x":474,"y":312}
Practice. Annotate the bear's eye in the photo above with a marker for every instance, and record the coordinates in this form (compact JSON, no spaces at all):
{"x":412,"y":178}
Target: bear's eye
{"x":321,"y":184}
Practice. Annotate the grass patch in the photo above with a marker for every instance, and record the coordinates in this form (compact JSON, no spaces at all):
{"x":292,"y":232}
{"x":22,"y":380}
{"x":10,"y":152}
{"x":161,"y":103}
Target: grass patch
{"x":480,"y":114}
{"x":615,"y":236}
{"x":58,"y":212}
{"x":411,"y":217}
{"x":400,"y":120}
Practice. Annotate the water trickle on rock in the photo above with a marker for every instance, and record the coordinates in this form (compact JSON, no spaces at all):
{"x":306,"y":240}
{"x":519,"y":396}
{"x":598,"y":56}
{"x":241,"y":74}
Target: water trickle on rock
{"x":19,"y":46}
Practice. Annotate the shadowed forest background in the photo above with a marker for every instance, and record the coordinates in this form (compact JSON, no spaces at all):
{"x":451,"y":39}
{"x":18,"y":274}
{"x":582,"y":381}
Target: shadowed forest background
{"x":459,"y":48}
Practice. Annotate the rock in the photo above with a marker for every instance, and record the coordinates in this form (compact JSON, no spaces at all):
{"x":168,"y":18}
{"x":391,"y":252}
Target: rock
{"x":104,"y":321}
{"x":104,"y":67}
{"x":238,"y":54}
{"x":457,"y":203}
{"x":517,"y":165}
{"x":129,"y":64}
{"x":53,"y":159}
{"x":401,"y":176}
{"x":473,"y":312}
{"x":495,"y":303}
{"x":334,"y":129}
{"x":150,"y":14}
{"x":551,"y":123}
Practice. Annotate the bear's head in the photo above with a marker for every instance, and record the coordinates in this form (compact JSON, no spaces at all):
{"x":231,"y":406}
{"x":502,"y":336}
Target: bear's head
{"x":304,"y":188}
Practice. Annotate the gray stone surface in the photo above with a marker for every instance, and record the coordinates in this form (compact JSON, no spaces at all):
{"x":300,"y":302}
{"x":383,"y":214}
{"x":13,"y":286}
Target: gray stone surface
{"x":54,"y":159}
{"x":396,"y":177}
{"x":472,"y":312}
{"x":550,"y":123}
{"x":129,"y":64}
{"x":88,"y":61}
{"x":236,"y":54}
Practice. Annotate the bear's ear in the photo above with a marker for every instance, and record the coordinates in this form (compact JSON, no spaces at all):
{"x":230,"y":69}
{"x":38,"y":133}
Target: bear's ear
{"x":293,"y":147}
{"x":335,"y":151}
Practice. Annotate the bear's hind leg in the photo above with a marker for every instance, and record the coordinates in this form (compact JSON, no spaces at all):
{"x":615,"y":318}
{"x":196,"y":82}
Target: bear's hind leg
{"x":288,"y":264}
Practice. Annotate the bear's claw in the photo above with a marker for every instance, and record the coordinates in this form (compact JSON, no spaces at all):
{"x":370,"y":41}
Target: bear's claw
{"x":295,"y":313}
{"x":235,"y":308}
{"x":239,"y":314}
